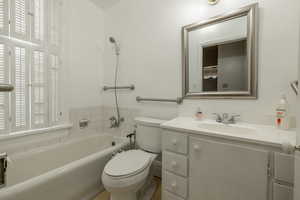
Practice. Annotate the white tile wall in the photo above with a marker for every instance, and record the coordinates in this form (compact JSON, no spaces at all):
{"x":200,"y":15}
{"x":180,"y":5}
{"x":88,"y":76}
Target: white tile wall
{"x":93,"y":114}
{"x":126,"y":127}
{"x":99,"y":124}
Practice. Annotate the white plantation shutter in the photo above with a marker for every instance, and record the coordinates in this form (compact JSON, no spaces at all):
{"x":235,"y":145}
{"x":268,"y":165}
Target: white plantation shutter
{"x":54,"y":22}
{"x":39,"y":110}
{"x":4,"y":107}
{"x":20,"y":19}
{"x":4,"y":17}
{"x":31,"y":63}
{"x":38,"y":20}
{"x":20,"y":94}
{"x":54,"y":89}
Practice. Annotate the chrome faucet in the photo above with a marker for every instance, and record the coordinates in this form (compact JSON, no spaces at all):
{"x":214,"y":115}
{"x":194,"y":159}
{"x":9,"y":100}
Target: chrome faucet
{"x":226,"y":118}
{"x":115,"y":123}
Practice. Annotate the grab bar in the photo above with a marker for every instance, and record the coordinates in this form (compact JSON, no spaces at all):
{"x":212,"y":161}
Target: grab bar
{"x":179,"y":100}
{"x":131,"y":87}
{"x":294,"y":86}
{"x":6,"y":88}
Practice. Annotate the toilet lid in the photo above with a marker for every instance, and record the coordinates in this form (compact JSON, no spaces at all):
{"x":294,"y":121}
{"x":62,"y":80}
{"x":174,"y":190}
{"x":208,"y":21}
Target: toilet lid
{"x":128,"y":163}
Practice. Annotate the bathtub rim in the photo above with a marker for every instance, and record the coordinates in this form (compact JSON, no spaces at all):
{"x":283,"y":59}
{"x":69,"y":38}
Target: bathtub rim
{"x":52,"y":174}
{"x":69,"y":141}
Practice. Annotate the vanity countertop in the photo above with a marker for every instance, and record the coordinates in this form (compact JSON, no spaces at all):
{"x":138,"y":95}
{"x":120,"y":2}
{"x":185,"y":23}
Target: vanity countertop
{"x":244,"y":132}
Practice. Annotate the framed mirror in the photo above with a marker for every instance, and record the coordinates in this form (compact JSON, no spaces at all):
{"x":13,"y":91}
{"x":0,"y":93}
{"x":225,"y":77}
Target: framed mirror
{"x":220,"y":56}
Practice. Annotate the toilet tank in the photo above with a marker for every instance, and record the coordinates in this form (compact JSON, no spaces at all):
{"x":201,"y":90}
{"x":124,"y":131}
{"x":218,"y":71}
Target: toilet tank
{"x":148,"y":134}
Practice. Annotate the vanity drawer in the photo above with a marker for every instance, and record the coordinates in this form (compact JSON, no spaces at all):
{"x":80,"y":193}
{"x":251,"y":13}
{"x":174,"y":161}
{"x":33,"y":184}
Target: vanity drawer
{"x":282,"y":192}
{"x":175,"y":184}
{"x":170,"y":196}
{"x":284,"y":167}
{"x":175,"y":142}
{"x":175,"y":163}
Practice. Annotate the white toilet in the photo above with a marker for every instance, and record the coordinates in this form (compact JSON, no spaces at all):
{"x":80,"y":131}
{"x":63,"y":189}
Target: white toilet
{"x":126,"y":173}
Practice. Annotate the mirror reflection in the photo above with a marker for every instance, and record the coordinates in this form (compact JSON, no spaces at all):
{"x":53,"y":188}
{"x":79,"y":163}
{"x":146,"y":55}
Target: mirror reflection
{"x":218,"y":57}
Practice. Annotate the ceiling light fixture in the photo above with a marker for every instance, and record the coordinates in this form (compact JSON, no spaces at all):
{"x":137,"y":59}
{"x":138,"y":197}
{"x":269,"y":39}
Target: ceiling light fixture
{"x":213,"y":2}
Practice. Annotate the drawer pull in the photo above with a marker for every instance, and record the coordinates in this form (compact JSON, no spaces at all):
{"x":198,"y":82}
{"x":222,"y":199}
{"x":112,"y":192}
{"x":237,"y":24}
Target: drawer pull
{"x":196,"y":147}
{"x":174,"y":164}
{"x":174,"y":142}
{"x":174,"y":185}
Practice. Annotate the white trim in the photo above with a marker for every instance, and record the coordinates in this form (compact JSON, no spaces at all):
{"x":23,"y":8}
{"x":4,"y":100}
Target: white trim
{"x":21,"y":42}
{"x":35,"y":132}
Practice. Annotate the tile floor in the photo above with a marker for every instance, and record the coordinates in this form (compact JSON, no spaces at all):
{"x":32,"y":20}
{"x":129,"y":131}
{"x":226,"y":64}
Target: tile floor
{"x":157,"y":195}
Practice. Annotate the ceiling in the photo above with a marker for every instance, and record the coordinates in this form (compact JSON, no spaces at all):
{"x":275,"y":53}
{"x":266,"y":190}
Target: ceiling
{"x":104,"y":4}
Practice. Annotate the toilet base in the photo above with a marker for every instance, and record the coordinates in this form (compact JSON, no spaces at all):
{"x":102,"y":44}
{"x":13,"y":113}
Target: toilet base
{"x":123,"y":196}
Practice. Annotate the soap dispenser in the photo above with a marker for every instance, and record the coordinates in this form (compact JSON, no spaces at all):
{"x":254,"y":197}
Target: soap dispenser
{"x":199,"y":114}
{"x":282,"y":119}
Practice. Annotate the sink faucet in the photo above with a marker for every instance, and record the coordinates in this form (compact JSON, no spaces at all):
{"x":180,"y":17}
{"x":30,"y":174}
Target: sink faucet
{"x":226,"y":118}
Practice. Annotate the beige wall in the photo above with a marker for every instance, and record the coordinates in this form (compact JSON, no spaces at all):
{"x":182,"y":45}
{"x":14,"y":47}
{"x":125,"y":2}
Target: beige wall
{"x":83,"y":61}
{"x":150,"y":37}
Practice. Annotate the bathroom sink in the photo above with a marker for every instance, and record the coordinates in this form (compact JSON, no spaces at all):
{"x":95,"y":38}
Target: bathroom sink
{"x":229,"y":129}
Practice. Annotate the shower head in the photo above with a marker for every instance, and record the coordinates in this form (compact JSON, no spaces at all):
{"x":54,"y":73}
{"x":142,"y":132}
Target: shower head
{"x":117,"y":47}
{"x":112,"y":40}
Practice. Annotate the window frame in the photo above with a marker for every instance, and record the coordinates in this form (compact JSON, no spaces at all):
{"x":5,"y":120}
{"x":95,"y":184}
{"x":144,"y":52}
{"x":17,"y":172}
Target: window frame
{"x":11,"y":40}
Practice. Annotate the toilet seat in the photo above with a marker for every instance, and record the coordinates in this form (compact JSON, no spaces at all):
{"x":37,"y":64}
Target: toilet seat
{"x":128,"y":164}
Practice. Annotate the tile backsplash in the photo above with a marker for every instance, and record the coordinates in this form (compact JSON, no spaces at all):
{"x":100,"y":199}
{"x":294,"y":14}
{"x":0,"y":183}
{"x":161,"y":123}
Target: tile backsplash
{"x":99,"y":122}
{"x":93,"y":114}
{"x":126,"y":127}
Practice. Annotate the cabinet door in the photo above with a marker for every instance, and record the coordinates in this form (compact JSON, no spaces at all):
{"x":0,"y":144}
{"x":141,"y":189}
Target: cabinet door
{"x":284,"y":167}
{"x":282,"y":192}
{"x":220,"y":171}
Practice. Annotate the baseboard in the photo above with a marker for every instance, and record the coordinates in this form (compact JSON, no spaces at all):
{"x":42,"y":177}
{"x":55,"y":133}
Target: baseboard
{"x":94,"y":194}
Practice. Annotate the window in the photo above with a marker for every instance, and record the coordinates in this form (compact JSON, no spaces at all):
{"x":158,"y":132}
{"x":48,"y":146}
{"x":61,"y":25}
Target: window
{"x":30,"y":60}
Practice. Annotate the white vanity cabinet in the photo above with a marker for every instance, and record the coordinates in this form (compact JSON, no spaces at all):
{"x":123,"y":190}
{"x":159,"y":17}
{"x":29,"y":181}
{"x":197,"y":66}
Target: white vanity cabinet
{"x":283,"y":179}
{"x":175,"y":166}
{"x":220,"y":171}
{"x":200,"y":167}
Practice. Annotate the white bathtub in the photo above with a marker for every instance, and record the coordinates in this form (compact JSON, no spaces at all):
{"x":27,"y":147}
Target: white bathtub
{"x":66,"y":171}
